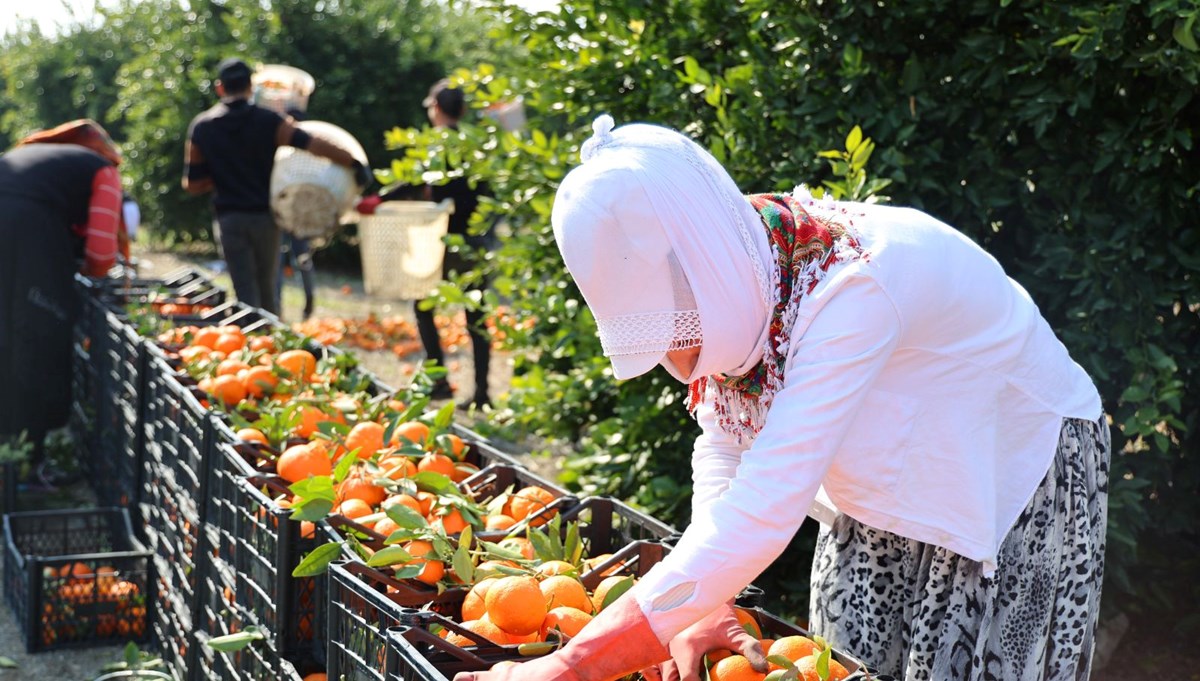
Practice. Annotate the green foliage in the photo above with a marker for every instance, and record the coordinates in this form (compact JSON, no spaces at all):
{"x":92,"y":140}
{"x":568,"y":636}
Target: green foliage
{"x":1054,"y":134}
{"x":134,"y":659}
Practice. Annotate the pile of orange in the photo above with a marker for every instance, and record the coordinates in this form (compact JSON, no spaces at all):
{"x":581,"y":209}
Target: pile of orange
{"x":71,"y":612}
{"x":518,"y":609}
{"x":801,"y":651}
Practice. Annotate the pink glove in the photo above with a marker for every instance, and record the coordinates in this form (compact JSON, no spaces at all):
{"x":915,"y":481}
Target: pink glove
{"x":719,"y":630}
{"x":617,"y":642}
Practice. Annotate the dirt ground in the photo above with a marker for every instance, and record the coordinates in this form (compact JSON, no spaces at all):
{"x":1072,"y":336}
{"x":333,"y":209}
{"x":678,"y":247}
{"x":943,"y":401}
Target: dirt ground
{"x":1148,"y":647}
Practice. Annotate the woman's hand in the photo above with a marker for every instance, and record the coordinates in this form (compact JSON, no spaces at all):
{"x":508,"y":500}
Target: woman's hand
{"x":720,"y":630}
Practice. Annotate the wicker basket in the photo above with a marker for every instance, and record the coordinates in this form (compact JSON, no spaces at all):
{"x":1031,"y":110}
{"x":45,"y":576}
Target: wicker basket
{"x":402,"y":248}
{"x":310,"y":193}
{"x":282,"y":88}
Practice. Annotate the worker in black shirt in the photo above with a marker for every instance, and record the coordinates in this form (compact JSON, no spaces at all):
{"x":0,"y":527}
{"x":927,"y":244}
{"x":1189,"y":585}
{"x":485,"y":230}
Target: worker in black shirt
{"x":445,"y":105}
{"x":231,"y":151}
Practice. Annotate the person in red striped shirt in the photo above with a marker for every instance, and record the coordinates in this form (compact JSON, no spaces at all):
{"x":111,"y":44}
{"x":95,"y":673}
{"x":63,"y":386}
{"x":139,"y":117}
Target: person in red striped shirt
{"x":60,"y":212}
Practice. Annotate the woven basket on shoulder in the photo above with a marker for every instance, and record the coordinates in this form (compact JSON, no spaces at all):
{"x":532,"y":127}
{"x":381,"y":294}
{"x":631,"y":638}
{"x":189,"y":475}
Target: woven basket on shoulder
{"x":309,"y":193}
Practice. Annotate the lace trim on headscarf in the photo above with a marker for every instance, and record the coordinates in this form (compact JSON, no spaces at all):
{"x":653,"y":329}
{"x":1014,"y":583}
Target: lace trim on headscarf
{"x":806,"y":249}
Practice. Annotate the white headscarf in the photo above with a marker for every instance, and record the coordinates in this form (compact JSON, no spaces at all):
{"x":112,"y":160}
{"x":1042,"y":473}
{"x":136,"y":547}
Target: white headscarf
{"x":666,"y":250}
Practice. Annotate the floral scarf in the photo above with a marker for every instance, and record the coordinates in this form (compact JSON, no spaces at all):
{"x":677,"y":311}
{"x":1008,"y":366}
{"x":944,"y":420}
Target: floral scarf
{"x":805,"y":248}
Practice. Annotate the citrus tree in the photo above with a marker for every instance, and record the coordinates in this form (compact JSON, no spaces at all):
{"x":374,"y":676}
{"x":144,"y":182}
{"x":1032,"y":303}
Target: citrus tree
{"x":1054,"y":134}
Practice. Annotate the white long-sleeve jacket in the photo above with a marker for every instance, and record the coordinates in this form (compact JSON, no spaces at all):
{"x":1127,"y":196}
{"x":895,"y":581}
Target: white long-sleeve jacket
{"x":923,"y":390}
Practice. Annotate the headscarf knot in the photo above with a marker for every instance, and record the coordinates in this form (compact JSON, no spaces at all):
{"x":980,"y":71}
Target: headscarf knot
{"x":601,"y":136}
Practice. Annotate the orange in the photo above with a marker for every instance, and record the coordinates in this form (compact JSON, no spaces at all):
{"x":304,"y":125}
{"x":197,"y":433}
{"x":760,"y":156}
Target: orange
{"x":808,"y":669}
{"x":262,"y":343}
{"x":492,"y":565}
{"x":452,"y":522}
{"x":403,"y":500}
{"x":300,"y":364}
{"x":253,"y":435}
{"x":793,"y":648}
{"x":206,"y":337}
{"x":426,"y":499}
{"x":565,"y":619}
{"x":596,"y":561}
{"x":531,"y":500}
{"x":516,"y":605}
{"x":555,"y":567}
{"x":519,"y":544}
{"x":473,"y":604}
{"x":229,"y":342}
{"x":354,"y":509}
{"x":714,"y":656}
{"x":386,"y":527}
{"x":397,"y":467}
{"x":315,"y":676}
{"x":463,"y":470}
{"x":482,"y":627}
{"x":259,"y":381}
{"x":301,"y":461}
{"x":359,"y":485}
{"x":602,"y":590}
{"x":231,"y":367}
{"x":311,"y":418}
{"x":734,"y":668}
{"x":436,"y":463}
{"x":457,"y":446}
{"x":514,"y":639}
{"x":499,"y":521}
{"x":748,"y":622}
{"x":194,"y":353}
{"x":432,"y":570}
{"x":766,"y":644}
{"x":228,"y":389}
{"x":80,"y":571}
{"x":561,"y":590}
{"x":410,"y":431}
{"x":366,"y":437}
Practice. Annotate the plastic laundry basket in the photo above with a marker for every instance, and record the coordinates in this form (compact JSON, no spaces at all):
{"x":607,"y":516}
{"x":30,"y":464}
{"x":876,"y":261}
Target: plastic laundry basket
{"x":309,"y":193}
{"x":402,"y":248}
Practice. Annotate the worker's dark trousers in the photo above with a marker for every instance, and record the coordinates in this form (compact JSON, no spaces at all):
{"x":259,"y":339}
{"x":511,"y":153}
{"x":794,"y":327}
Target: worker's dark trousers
{"x":249,"y":242}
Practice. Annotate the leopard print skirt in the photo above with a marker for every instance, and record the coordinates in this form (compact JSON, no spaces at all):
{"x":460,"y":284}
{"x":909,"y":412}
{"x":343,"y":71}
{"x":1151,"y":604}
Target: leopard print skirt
{"x":920,"y":612}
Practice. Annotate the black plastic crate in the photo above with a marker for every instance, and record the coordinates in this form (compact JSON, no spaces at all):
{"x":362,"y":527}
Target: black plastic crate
{"x":186,"y":286}
{"x":417,"y":654}
{"x":76,"y":578}
{"x":363,"y":604}
{"x":257,"y":545}
{"x":481,"y":451}
{"x":178,"y":433}
{"x":219,"y":614}
{"x":119,"y":360}
{"x":606,"y":525}
{"x":175,"y":542}
{"x":172,"y":629}
{"x":86,"y":386}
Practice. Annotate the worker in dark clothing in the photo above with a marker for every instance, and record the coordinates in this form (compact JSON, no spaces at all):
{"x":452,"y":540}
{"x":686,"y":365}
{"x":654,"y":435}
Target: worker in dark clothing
{"x":231,"y":151}
{"x":60,"y":203}
{"x":445,"y":105}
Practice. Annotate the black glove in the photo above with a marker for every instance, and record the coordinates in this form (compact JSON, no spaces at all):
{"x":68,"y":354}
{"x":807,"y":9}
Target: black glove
{"x":362,"y":175}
